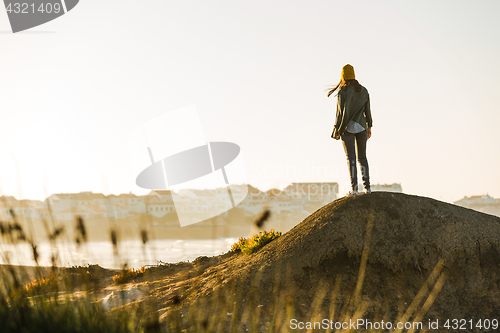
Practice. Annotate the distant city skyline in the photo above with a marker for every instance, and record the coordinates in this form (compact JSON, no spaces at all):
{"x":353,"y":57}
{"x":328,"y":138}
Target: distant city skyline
{"x":186,"y":207}
{"x":192,"y":205}
{"x":375,"y":187}
{"x":71,"y":92}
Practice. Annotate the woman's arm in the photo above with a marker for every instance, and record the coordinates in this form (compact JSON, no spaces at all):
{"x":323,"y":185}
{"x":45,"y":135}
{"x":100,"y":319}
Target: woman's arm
{"x":340,"y":107}
{"x":368,"y":113}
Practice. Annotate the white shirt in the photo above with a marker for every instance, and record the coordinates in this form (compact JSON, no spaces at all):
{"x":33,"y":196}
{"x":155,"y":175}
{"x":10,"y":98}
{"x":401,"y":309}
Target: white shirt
{"x":353,"y":127}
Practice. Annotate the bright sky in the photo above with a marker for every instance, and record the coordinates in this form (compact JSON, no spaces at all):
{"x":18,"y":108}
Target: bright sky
{"x":72,"y":90}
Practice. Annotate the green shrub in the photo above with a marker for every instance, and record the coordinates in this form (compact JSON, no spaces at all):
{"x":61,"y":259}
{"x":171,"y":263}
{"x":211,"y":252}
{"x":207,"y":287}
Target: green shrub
{"x":252,"y":244}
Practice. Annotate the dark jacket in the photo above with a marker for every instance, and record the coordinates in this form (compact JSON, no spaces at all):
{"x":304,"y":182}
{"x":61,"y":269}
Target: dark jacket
{"x":352,"y":105}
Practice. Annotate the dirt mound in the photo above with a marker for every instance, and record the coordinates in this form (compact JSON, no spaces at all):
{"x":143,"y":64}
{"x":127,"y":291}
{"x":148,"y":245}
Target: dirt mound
{"x":407,"y":241}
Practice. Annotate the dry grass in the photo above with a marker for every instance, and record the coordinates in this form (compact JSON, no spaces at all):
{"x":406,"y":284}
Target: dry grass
{"x":128,"y":275}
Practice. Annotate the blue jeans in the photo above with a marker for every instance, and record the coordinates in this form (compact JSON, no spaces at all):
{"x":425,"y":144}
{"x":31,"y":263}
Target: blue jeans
{"x":351,"y":142}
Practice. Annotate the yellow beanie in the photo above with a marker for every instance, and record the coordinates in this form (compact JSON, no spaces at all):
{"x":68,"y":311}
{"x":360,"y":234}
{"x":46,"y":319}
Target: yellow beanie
{"x":348,"y":73}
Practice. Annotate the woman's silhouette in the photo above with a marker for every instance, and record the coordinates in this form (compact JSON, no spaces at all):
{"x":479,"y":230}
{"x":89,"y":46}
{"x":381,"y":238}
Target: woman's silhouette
{"x":353,"y":125}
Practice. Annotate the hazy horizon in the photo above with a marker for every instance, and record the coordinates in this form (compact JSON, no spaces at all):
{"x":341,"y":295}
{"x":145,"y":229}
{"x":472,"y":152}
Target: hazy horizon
{"x":257,"y":73}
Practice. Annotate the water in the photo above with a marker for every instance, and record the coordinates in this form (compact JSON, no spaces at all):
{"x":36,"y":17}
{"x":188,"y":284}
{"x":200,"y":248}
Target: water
{"x":132,"y":253}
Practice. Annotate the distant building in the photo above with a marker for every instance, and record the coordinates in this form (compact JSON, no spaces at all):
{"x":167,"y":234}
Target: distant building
{"x":491,"y":209}
{"x":134,"y":203}
{"x":239,"y":192}
{"x":160,"y":209}
{"x":318,"y":192}
{"x":159,"y":203}
{"x":70,"y":214}
{"x":60,"y":202}
{"x":476,"y":200}
{"x":161,"y":195}
{"x":395,"y":187}
{"x":297,"y":198}
{"x":7,"y":199}
{"x":282,"y":205}
{"x":88,"y":199}
{"x":117,"y":200}
{"x":23,"y":209}
{"x":255,"y":197}
{"x":482,"y":203}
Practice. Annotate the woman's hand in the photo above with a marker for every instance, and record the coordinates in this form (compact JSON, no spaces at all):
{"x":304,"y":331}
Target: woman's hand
{"x":336,"y":134}
{"x":369,"y":130}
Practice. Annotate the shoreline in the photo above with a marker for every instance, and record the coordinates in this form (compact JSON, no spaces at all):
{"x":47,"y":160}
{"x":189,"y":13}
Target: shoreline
{"x":132,"y":253}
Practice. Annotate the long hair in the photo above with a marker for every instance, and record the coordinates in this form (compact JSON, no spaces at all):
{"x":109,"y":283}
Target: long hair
{"x":344,"y":84}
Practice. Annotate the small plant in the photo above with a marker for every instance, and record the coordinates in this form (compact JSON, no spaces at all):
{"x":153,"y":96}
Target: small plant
{"x":42,"y":285}
{"x":128,"y":274}
{"x":252,"y":244}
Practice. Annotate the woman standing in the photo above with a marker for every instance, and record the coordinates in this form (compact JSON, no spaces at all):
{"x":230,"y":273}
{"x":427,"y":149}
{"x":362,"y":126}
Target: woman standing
{"x":353,"y":125}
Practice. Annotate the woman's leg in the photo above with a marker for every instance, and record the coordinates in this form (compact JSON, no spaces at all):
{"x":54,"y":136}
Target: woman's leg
{"x":350,"y":151}
{"x":361,"y":139}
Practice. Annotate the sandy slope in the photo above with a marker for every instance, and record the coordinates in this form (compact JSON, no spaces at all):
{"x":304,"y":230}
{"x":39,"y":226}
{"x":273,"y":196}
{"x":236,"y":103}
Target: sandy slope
{"x":410,"y":235}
